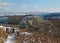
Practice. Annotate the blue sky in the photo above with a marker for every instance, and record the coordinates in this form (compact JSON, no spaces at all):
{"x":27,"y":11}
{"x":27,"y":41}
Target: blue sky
{"x":29,"y":5}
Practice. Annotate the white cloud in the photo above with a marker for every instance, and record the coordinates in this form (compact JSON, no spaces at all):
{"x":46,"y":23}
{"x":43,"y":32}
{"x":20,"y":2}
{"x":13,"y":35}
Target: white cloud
{"x":5,"y":4}
{"x":24,"y":8}
{"x":27,"y":8}
{"x":51,"y":10}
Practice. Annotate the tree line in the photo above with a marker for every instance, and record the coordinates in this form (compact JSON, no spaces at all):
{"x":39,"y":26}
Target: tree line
{"x":36,"y":24}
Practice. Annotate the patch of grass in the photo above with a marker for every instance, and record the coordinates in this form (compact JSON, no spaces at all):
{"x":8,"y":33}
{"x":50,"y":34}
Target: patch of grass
{"x":3,"y":36}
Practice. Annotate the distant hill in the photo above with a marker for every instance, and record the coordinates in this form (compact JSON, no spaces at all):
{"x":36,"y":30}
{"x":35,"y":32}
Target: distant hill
{"x":52,"y":16}
{"x":44,"y":15}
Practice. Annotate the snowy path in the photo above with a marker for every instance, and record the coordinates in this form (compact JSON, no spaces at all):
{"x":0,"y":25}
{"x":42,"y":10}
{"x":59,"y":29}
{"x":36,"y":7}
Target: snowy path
{"x":10,"y":38}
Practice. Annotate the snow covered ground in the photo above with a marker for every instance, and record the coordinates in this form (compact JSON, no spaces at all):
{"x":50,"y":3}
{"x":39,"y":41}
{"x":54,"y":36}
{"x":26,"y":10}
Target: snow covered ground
{"x":11,"y":38}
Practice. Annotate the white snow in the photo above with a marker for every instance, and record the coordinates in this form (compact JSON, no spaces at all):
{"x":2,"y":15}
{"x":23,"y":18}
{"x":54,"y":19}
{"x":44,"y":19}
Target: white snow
{"x":26,"y":33}
{"x":10,"y":39}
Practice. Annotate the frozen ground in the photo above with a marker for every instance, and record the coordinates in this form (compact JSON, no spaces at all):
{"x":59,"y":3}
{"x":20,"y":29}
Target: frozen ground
{"x":10,"y":38}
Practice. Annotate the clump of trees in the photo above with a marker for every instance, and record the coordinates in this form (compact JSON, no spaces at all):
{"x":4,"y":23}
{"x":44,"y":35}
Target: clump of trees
{"x":36,"y":23}
{"x":14,"y":19}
